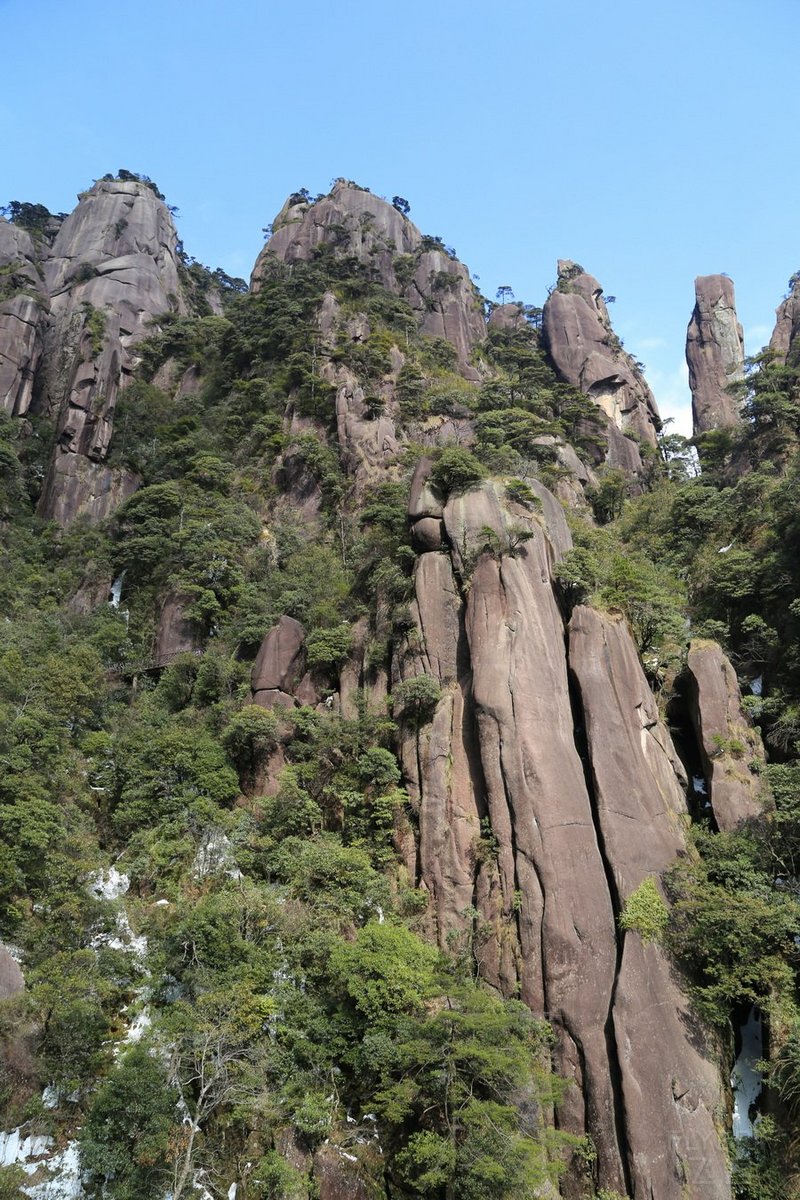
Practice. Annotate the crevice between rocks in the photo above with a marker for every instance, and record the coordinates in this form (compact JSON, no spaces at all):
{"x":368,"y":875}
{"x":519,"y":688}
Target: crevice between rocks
{"x":614,"y":1066}
{"x":687,"y":746}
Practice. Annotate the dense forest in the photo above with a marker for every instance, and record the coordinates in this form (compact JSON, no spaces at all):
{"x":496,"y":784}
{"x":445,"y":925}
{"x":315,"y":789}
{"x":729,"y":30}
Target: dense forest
{"x":259,"y":961}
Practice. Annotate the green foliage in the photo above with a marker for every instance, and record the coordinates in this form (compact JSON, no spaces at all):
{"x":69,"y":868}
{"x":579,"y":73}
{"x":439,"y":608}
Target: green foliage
{"x":33,"y":217}
{"x":165,"y":770}
{"x":250,"y":736}
{"x":386,"y":972}
{"x":456,"y":470}
{"x":449,"y":1082}
{"x":417,"y":697}
{"x":328,"y":648}
{"x":95,"y":325}
{"x":126,"y":1140}
{"x":645,"y":912}
{"x":732,"y":923}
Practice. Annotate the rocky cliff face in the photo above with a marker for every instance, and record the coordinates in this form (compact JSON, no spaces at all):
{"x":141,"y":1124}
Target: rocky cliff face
{"x":68,"y":333}
{"x":23,"y":308}
{"x":731,"y":750}
{"x":112,"y":270}
{"x":784,"y":340}
{"x":544,"y":785}
{"x":588,"y":354}
{"x":351,"y":221}
{"x":557,"y":749}
{"x":714,"y":354}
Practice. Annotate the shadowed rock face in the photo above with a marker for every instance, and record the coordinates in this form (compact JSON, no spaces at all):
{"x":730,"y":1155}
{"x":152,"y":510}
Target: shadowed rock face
{"x":714,"y":354}
{"x":112,"y":269}
{"x":561,"y":754}
{"x":731,"y":749}
{"x":670,"y":1091}
{"x":175,"y":634}
{"x":354,"y":222}
{"x":586,"y":353}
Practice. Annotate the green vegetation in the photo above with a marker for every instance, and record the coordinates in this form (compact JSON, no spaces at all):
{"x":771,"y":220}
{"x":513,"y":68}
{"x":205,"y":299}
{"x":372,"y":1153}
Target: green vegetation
{"x":272,"y":941}
{"x":645,"y":912}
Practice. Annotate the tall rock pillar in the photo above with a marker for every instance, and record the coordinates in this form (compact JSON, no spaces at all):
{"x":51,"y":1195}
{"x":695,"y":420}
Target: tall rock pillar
{"x":714,"y":354}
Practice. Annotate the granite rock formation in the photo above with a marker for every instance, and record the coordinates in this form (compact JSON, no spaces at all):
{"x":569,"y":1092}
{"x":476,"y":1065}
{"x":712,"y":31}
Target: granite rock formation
{"x":588,"y":354}
{"x":354,"y":222}
{"x":731,"y":749}
{"x":22,"y":319}
{"x":73,"y":305}
{"x":784,"y":341}
{"x":714,"y":354}
{"x":112,"y":270}
{"x":562,"y":755}
{"x":280,"y":665}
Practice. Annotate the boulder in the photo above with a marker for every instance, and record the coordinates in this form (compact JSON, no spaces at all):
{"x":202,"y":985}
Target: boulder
{"x":427,"y":534}
{"x":423,"y":501}
{"x":731,"y":749}
{"x":714,"y":354}
{"x":175,"y":634}
{"x":507,"y":317}
{"x":280,"y":662}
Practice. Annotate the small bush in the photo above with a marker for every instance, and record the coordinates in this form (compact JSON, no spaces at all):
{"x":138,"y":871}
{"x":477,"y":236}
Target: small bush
{"x":456,"y":470}
{"x":645,"y":913}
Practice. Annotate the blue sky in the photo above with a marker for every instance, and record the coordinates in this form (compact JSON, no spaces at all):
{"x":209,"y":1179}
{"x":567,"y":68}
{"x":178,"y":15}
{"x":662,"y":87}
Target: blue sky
{"x":651,"y":142}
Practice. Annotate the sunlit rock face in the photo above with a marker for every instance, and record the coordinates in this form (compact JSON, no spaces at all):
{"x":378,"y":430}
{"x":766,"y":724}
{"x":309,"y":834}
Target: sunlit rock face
{"x":550,"y":736}
{"x":23,"y":314}
{"x":352,"y":221}
{"x":731,"y":749}
{"x":714,"y":354}
{"x":786,"y":334}
{"x":112,"y":270}
{"x":588,"y":354}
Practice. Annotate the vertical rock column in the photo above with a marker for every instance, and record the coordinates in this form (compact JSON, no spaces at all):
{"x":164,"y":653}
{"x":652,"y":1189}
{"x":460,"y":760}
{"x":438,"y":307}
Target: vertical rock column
{"x":714,"y":354}
{"x":671,"y":1094}
{"x":555,"y":898}
{"x":587,"y":354}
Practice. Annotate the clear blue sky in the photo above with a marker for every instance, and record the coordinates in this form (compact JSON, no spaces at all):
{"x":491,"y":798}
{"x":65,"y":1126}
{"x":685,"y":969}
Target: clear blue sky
{"x":649,"y":141}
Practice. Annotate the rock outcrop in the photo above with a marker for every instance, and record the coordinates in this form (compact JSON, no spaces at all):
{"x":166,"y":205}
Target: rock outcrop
{"x":352,"y":222}
{"x":175,"y":633}
{"x":785,"y":340}
{"x":112,"y":270}
{"x":731,"y":749}
{"x":22,"y":319}
{"x":587,"y":353}
{"x":280,"y":665}
{"x":714,"y":354}
{"x":547,"y":790}
{"x":671,"y":1092}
